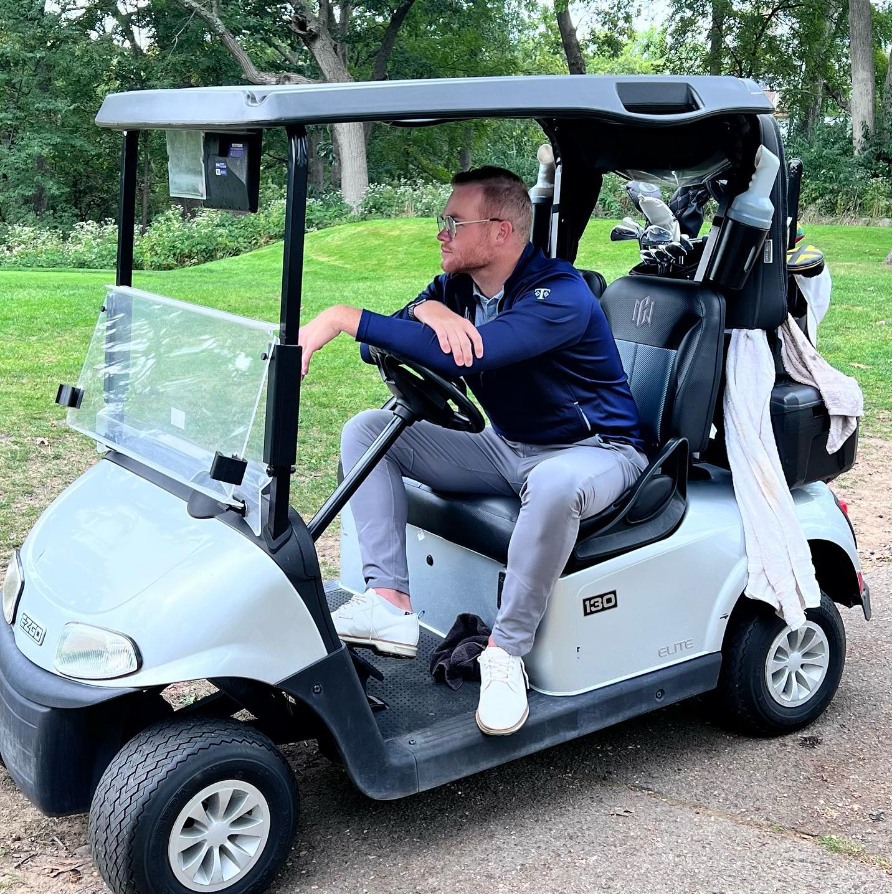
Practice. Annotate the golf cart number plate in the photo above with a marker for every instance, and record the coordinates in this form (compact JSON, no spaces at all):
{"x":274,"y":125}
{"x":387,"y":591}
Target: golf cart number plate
{"x":33,"y":629}
{"x":591,"y":605}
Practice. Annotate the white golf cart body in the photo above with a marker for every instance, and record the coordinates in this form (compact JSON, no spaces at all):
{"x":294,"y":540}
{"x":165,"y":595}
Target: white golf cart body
{"x":153,"y":560}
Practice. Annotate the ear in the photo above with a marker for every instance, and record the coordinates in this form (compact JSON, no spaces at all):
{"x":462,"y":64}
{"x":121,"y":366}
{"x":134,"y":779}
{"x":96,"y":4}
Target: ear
{"x":504,"y":232}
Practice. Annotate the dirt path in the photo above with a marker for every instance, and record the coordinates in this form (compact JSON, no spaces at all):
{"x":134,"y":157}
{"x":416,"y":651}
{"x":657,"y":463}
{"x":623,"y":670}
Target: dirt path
{"x":868,"y":491}
{"x":50,"y":856}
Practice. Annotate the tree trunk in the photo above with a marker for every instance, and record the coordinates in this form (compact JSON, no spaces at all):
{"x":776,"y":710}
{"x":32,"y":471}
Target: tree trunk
{"x":315,"y":162}
{"x":863,"y":105}
{"x":146,"y":170}
{"x":887,"y":95}
{"x":717,"y":36}
{"x":575,"y":60}
{"x":814,"y":77}
{"x":467,"y":143}
{"x":39,"y":201}
{"x":354,"y":164}
{"x":335,"y":158}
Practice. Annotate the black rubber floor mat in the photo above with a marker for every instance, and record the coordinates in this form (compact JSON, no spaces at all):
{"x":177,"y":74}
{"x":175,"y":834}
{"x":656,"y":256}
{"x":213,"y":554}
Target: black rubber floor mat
{"x":414,"y":699}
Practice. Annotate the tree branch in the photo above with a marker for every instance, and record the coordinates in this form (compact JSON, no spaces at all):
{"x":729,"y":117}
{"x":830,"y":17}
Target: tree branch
{"x":575,"y":59}
{"x":318,"y":41}
{"x":249,"y":69}
{"x":382,"y":57}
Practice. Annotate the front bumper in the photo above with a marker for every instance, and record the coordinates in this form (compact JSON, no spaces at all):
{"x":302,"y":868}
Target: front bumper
{"x":57,"y":736}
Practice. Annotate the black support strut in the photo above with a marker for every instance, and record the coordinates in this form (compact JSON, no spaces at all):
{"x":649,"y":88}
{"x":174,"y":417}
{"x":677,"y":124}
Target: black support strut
{"x":127,"y":208}
{"x":283,"y":393}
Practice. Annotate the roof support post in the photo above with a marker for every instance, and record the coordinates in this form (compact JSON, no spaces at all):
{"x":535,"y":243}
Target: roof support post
{"x":127,"y":208}
{"x":283,"y":391}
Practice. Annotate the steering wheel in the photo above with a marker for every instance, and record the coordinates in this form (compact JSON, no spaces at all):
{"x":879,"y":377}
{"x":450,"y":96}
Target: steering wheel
{"x":428,"y":395}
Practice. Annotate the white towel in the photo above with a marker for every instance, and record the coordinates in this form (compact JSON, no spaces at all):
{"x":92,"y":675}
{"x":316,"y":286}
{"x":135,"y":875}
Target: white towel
{"x":816,"y":291}
{"x":779,"y":566}
{"x":841,"y":393}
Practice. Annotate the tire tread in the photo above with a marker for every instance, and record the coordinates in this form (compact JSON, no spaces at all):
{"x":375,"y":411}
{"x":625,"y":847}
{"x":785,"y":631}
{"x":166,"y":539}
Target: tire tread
{"x":134,"y":776}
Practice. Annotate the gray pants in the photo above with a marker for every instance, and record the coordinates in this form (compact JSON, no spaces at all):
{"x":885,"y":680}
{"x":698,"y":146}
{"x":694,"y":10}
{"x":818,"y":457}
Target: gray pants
{"x":558,"y":485}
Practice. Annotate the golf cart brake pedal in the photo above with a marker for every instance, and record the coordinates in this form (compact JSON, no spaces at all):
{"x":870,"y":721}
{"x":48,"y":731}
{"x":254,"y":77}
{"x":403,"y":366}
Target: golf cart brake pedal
{"x":69,"y":396}
{"x":228,"y":469}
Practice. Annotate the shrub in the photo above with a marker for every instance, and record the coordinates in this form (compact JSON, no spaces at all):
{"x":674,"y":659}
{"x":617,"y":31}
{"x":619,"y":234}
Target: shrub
{"x":404,"y":198}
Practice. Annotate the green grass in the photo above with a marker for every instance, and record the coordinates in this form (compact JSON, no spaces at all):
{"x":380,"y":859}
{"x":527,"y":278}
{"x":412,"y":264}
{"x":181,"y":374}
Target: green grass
{"x":47,"y":317}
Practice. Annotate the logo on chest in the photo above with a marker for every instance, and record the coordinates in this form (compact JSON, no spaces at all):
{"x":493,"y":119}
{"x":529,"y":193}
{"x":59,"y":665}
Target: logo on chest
{"x":541,"y":294}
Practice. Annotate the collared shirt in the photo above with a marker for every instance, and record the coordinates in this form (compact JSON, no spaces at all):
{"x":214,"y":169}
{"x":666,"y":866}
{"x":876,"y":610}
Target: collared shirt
{"x":486,"y":308}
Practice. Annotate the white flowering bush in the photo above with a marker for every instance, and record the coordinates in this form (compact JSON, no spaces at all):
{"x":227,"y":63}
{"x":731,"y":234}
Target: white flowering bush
{"x":27,"y":246}
{"x":177,"y":240}
{"x":405,"y":198}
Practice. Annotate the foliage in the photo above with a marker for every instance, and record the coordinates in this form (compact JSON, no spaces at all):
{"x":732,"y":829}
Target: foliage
{"x":175,"y":239}
{"x":837,"y":185}
{"x":405,"y":198}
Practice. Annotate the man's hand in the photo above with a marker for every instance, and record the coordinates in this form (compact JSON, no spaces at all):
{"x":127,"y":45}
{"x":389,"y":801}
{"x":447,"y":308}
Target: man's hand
{"x":457,"y":335}
{"x":322,"y":329}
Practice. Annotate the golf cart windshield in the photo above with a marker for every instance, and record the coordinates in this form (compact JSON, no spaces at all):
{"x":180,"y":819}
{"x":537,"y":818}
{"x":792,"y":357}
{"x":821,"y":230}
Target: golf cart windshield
{"x":170,"y":384}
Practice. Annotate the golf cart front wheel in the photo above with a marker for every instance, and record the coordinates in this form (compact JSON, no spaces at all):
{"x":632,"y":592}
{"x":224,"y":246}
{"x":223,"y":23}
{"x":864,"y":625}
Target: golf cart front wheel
{"x":194,"y":806}
{"x":775,"y":680}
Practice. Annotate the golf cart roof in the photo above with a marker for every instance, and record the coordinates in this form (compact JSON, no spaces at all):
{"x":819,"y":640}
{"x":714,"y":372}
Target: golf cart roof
{"x":641,"y":100}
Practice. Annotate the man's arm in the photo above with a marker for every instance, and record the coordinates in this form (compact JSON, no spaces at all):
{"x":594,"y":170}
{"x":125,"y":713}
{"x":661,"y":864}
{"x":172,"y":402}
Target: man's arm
{"x":531,"y":327}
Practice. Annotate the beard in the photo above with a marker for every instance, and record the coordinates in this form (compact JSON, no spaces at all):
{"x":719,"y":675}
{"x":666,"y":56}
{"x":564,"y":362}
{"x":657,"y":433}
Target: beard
{"x":469,"y":259}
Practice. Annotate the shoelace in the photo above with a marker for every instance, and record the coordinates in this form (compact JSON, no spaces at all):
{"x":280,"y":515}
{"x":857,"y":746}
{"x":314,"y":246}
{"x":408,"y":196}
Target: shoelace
{"x":355,"y":601}
{"x":499,"y":671}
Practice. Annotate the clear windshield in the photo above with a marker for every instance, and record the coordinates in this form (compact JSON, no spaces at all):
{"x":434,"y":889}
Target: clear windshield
{"x":170,"y":383}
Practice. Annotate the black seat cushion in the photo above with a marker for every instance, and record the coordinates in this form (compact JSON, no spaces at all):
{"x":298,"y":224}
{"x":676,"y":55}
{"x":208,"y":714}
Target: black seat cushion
{"x":485,"y":524}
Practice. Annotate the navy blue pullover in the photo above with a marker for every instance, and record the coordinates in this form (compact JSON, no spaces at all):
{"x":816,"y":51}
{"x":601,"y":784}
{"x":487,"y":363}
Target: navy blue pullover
{"x":550,"y":371}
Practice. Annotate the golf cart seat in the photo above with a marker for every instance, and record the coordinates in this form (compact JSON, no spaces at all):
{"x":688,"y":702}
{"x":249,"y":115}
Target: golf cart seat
{"x":595,"y":281}
{"x":669,"y":334}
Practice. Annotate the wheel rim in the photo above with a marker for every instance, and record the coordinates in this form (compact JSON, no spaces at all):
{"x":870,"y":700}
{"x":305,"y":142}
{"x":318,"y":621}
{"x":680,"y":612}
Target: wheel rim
{"x":797,"y":664}
{"x":219,"y":836}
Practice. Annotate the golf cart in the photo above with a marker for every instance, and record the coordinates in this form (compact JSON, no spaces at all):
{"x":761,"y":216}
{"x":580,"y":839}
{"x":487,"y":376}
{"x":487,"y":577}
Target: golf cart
{"x":177,"y":556}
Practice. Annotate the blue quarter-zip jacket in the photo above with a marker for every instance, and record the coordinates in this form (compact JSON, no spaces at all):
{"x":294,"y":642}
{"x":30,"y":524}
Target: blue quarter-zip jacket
{"x":550,"y":371}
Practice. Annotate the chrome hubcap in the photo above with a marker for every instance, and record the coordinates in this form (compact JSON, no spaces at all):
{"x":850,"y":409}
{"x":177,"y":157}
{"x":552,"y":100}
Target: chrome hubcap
{"x":219,"y":836}
{"x":797,"y":664}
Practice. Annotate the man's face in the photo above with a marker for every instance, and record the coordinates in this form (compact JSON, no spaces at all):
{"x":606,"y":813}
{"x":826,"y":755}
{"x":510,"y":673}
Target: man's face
{"x":473,"y":246}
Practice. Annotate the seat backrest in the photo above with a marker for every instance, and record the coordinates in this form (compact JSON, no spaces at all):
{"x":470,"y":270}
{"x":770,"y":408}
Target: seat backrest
{"x":595,"y":281}
{"x":669,"y":333}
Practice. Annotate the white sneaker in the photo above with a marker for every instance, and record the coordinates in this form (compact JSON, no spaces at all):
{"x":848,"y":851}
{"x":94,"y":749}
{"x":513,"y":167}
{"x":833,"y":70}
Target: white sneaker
{"x":503,"y":693}
{"x":367,"y":620}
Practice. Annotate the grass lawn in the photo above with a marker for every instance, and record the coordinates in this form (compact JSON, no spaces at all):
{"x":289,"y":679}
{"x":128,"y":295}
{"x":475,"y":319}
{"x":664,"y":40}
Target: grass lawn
{"x":47,"y":317}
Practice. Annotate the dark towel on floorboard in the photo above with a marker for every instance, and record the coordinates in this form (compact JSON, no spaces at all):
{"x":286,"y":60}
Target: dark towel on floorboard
{"x":455,"y":659}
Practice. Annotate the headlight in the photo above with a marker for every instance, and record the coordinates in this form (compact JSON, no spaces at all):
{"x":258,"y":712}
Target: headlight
{"x":13,"y":584}
{"x":91,"y":653}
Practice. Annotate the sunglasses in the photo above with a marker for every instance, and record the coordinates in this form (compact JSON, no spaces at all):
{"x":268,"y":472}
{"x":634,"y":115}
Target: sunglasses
{"x":448,"y":223}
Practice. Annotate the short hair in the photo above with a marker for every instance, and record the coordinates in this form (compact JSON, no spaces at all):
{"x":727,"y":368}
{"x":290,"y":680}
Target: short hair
{"x":505,"y":196}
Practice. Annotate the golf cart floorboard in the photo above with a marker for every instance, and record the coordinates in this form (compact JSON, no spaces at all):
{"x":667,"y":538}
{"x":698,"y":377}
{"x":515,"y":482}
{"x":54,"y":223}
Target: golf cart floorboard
{"x":437,"y":725}
{"x":415,"y":701}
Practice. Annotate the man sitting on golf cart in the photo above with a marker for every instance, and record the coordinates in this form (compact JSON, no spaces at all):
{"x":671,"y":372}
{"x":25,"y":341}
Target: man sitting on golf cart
{"x":534,"y":346}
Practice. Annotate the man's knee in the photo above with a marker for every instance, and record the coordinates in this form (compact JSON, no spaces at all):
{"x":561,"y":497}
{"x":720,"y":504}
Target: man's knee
{"x":554,"y":483}
{"x":362,"y":429}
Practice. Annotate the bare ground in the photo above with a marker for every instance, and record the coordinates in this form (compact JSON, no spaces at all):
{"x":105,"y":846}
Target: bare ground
{"x":868,"y":491}
{"x":51,"y":856}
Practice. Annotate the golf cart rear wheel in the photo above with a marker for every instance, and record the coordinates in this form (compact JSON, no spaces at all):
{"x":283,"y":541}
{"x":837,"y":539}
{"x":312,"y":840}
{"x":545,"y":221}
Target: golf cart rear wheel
{"x":775,"y":680}
{"x":194,"y":806}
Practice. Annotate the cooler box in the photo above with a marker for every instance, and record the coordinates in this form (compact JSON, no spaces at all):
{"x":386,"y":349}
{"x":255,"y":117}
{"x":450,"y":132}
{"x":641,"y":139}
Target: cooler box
{"x":801,"y":425}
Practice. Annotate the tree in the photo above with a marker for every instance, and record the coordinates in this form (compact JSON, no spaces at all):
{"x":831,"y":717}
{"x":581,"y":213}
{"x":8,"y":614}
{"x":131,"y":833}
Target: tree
{"x":863,"y":102}
{"x":608,"y":27}
{"x":575,"y":59}
{"x":328,"y":33}
{"x":719,"y":15}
